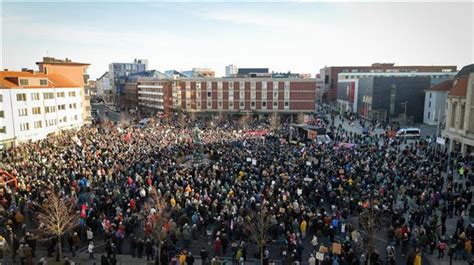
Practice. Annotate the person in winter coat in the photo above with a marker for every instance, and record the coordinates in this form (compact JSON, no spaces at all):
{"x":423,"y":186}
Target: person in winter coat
{"x":189,"y":259}
{"x":149,"y":249}
{"x":312,"y":260}
{"x":90,"y":250}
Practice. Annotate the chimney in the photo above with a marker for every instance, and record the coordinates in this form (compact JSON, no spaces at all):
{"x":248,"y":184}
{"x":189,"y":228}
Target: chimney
{"x":6,"y":70}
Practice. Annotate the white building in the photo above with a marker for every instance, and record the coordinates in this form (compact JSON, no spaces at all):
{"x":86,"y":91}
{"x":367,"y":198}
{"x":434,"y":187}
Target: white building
{"x":435,"y":103}
{"x":34,"y":105}
{"x":460,"y":115}
{"x":231,"y":70}
{"x":104,"y":88}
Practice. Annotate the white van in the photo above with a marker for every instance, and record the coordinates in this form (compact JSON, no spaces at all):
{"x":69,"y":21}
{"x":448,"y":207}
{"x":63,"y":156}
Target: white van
{"x":409,"y":133}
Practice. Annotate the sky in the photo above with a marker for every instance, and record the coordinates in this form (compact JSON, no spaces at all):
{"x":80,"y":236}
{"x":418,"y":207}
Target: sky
{"x":291,"y":36}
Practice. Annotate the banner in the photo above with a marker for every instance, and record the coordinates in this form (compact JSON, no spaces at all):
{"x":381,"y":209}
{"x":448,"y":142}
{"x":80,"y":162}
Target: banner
{"x":440,"y":140}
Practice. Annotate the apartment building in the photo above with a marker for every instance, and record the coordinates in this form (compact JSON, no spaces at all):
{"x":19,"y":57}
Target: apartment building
{"x":74,"y":72}
{"x":34,"y":105}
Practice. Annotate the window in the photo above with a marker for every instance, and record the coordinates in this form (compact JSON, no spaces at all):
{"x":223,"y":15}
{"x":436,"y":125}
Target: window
{"x":38,"y":124}
{"x":429,"y":104}
{"x":287,"y":104}
{"x":21,"y":97}
{"x":1,"y":98}
{"x":3,"y":129}
{"x":64,"y":119}
{"x":275,"y":104}
{"x":231,"y":105}
{"x":2,"y":114}
{"x":209,"y":104}
{"x":43,"y":82}
{"x":231,"y":85}
{"x":220,"y":104}
{"x":430,"y":94}
{"x":429,"y":114}
{"x":49,"y":109}
{"x":75,"y":117}
{"x":62,"y":107}
{"x":209,"y":94}
{"x":275,"y":95}
{"x":199,"y":104}
{"x":253,"y":104}
{"x":60,"y":94}
{"x":264,"y":95}
{"x":36,"y":110}
{"x":242,"y":95}
{"x":23,"y":82}
{"x":72,"y":106}
{"x":242,"y":104}
{"x":22,"y":112}
{"x":72,"y":93}
{"x":49,"y":95}
{"x":35,"y":96}
{"x":24,"y":126}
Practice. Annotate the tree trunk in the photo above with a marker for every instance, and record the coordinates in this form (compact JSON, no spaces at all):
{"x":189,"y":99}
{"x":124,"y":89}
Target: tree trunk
{"x":60,"y":249}
{"x":261,"y":255}
{"x":159,"y":253}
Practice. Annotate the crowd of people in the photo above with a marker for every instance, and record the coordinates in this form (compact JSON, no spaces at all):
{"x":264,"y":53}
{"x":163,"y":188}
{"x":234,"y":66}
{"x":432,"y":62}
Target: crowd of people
{"x":377,"y":199}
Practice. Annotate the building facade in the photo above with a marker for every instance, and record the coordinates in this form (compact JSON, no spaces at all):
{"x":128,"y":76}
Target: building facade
{"x":118,"y":73}
{"x":234,"y":95}
{"x":330,"y":74}
{"x":230,"y":70}
{"x":348,"y":85}
{"x":435,"y":103}
{"x":34,"y":105}
{"x":74,"y":72}
{"x":391,"y":98}
{"x":154,"y":94}
{"x":104,"y":89}
{"x":460,"y":115}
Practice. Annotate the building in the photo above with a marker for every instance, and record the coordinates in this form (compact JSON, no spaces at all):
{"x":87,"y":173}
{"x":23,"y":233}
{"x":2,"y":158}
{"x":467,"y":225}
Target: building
{"x":199,"y":72}
{"x":92,"y":84}
{"x":460,"y":114}
{"x":435,"y":102}
{"x":174,"y":74}
{"x":234,"y":95}
{"x":252,"y":72}
{"x":154,"y":94}
{"x":330,"y":74}
{"x":230,"y":70}
{"x":74,"y":72}
{"x":348,"y":85}
{"x":34,"y":105}
{"x":129,"y":98}
{"x":118,"y":73}
{"x":387,"y":98}
{"x":104,"y":89}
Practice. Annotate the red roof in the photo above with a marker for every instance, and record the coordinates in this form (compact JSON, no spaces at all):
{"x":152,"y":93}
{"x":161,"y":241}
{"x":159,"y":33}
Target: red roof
{"x":443,"y":86}
{"x":460,"y":87}
{"x":10,"y":79}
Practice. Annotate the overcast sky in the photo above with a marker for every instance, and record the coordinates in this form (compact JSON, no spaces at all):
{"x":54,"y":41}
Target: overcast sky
{"x":301,"y":37}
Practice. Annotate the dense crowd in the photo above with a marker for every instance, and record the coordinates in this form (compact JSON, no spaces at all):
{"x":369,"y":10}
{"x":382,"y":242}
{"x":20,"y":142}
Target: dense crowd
{"x":313,"y":194}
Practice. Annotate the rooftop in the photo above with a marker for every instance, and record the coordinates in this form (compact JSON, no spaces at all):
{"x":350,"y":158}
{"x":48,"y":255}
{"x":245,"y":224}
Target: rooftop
{"x":244,"y":71}
{"x":443,"y":86}
{"x":460,"y":87}
{"x":10,"y":79}
{"x":52,"y":60}
{"x":466,"y":70}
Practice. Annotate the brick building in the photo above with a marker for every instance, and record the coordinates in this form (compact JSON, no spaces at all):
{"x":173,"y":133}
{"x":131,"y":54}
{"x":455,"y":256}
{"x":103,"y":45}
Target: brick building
{"x":231,"y":95}
{"x":330,"y":74}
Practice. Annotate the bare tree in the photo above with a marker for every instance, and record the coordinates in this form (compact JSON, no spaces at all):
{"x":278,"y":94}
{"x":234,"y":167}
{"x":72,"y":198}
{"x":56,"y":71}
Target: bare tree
{"x":157,"y":216}
{"x":275,"y":121}
{"x":56,"y":217}
{"x":259,"y":226}
{"x":369,"y":221}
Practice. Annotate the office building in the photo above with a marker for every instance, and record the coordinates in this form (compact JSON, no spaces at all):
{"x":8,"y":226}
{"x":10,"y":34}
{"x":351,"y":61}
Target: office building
{"x":330,"y":74}
{"x":118,"y":73}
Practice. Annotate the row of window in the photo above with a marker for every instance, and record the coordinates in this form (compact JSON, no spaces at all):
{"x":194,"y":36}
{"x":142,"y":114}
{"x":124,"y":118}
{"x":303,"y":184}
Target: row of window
{"x":241,"y":104}
{"x":39,"y":124}
{"x":46,"y":95}
{"x":47,"y":109}
{"x":25,"y":82}
{"x":253,"y":95}
{"x":253,"y":84}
